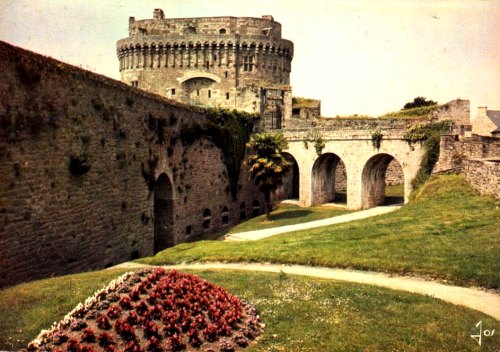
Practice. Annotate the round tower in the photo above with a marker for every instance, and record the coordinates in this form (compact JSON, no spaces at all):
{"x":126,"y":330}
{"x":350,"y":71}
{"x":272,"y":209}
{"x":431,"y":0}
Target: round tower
{"x":230,"y":62}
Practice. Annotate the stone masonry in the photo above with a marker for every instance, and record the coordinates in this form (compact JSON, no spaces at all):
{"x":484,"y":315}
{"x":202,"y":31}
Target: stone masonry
{"x":79,"y":157}
{"x":229,"y":62}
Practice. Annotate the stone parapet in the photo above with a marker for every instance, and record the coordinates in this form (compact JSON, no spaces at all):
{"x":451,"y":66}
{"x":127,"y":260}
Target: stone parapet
{"x":483,"y":175}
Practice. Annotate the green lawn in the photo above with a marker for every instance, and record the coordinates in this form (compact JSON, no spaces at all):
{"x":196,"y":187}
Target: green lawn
{"x":28,"y":308}
{"x":288,"y":214}
{"x":301,"y":314}
{"x":448,"y":232}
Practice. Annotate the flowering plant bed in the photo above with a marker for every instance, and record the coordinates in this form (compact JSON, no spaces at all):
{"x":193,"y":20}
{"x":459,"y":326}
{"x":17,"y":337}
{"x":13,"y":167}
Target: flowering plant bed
{"x":154,"y":310}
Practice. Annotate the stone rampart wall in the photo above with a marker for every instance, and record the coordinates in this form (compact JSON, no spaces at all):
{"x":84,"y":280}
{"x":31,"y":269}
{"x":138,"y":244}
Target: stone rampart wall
{"x":79,"y":156}
{"x":483,"y":175}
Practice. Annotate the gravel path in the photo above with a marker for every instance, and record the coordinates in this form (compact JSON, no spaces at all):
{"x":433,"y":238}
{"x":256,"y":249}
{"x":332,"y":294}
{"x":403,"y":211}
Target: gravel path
{"x":259,"y":234}
{"x":480,"y":300}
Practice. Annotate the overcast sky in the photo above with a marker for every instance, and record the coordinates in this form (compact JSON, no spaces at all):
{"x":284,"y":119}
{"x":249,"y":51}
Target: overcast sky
{"x":358,"y":57}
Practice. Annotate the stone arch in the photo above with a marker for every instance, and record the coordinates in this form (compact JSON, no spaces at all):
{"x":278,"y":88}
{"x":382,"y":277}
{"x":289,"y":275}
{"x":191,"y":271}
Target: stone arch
{"x":373,"y":180}
{"x":163,"y":213}
{"x":198,"y":90}
{"x":324,"y":178}
{"x":291,"y":181}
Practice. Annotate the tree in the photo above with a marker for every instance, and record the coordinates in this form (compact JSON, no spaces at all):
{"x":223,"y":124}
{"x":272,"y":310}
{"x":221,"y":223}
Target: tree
{"x":267,"y":164}
{"x":419,"y":102}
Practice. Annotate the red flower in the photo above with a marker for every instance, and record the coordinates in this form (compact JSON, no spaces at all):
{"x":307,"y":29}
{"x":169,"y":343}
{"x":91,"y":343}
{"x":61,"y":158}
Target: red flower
{"x":73,"y":346}
{"x":104,"y":339}
{"x":126,"y":303}
{"x":176,"y":343}
{"x":210,"y":332}
{"x":114,"y":312}
{"x":88,"y":335}
{"x":125,"y":330}
{"x":132,"y":346}
{"x":103,"y":322}
{"x":154,"y":345}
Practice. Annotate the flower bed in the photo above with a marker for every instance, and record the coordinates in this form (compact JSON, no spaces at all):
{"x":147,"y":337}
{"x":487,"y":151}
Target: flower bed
{"x":154,"y":310}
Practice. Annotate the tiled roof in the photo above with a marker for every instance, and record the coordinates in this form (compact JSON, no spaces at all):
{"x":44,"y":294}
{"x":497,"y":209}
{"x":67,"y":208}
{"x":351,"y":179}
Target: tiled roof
{"x":494,"y":116}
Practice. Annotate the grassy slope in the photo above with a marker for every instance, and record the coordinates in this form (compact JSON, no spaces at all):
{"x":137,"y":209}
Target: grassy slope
{"x":300,"y":314}
{"x":448,"y":232}
{"x":288,"y":214}
{"x":28,"y":308}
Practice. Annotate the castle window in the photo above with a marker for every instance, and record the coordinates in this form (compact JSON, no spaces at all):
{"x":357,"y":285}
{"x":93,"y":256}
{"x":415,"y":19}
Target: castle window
{"x":243,"y":214}
{"x":209,"y":93}
{"x":135,"y":84}
{"x":189,"y":230}
{"x":227,"y":96}
{"x":248,"y":63}
{"x":222,"y":31}
{"x":198,"y":92}
{"x":207,"y":217}
{"x":173,"y":91}
{"x":225,"y":216}
{"x":225,"y":74}
{"x":255,"y":208}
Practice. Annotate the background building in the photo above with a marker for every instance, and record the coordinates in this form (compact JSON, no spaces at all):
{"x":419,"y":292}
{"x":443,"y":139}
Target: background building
{"x":229,"y":62}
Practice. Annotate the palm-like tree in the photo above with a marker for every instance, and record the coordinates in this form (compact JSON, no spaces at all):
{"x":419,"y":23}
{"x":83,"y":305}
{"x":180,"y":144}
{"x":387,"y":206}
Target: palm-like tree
{"x":267,"y":164}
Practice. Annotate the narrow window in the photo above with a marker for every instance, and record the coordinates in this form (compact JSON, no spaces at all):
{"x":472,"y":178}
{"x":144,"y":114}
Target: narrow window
{"x":225,"y":74}
{"x":198,"y":92}
{"x":248,"y":63}
{"x":227,"y":96}
{"x":207,"y":217}
{"x":173,"y":91}
{"x":255,"y":208}
{"x":209,"y":93}
{"x":135,"y":84}
{"x":243,"y":213}
{"x":189,"y":230}
{"x":225,"y":216}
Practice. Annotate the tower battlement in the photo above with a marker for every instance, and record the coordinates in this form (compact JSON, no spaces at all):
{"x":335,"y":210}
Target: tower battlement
{"x":227,"y":62}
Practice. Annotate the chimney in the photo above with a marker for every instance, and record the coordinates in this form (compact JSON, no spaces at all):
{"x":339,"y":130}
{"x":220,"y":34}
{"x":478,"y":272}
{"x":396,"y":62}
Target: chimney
{"x":481,"y":111}
{"x":158,"y":14}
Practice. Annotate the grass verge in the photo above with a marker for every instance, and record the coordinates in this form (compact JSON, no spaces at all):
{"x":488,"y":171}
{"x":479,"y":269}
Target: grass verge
{"x":28,"y":308}
{"x":301,"y":314}
{"x":288,"y":214}
{"x":448,"y":232}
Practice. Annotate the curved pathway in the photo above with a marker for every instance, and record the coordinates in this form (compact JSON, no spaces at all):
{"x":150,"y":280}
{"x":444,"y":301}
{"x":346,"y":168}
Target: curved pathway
{"x":483,"y":301}
{"x":358,"y":215}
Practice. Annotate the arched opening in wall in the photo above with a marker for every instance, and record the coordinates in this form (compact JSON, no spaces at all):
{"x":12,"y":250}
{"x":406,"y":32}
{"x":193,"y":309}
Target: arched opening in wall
{"x":243,"y":211}
{"x":225,"y":216}
{"x":207,"y":218}
{"x":255,"y":208}
{"x":394,"y":184}
{"x":198,"y":91}
{"x":163,"y":214}
{"x":373,"y":182}
{"x":290,"y":187}
{"x":329,"y":180}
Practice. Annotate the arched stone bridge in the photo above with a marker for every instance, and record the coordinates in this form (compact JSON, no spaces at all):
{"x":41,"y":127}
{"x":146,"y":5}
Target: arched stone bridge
{"x":313,"y":179}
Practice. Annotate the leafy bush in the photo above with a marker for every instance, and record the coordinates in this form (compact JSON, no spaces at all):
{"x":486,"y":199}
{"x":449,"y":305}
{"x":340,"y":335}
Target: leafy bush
{"x":430,"y":135}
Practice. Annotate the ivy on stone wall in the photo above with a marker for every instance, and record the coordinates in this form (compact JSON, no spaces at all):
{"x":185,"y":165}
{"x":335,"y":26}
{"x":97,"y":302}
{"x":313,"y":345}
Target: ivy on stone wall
{"x":229,"y":131}
{"x":429,"y":135}
{"x":377,"y":138}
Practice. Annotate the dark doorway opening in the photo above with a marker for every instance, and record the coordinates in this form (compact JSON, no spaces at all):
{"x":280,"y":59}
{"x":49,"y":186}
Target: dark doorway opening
{"x":163,"y":214}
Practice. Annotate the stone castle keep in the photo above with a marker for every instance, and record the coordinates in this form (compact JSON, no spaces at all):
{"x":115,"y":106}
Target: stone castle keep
{"x":229,"y":62}
{"x":95,"y":172}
